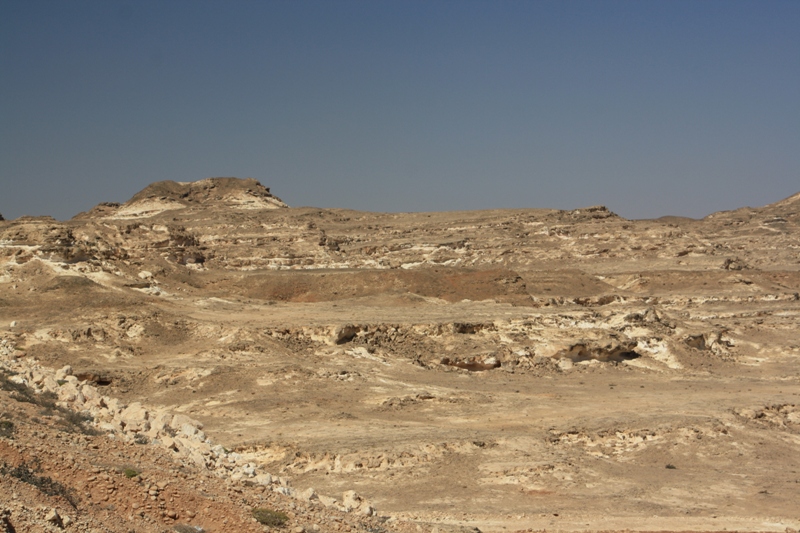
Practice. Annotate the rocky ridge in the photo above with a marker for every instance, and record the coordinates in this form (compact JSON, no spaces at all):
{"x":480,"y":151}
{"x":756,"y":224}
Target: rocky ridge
{"x":503,"y":369}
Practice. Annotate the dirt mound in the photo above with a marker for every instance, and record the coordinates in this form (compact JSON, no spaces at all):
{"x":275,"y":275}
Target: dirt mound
{"x":76,"y":284}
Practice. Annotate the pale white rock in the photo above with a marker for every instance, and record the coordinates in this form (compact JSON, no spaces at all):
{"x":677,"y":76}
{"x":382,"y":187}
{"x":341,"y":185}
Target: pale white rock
{"x":565,"y":363}
{"x":53,"y":517}
{"x":263,"y":479}
{"x":286,"y":491}
{"x":134,"y":417}
{"x":135,"y":331}
{"x":101,"y":413}
{"x":134,"y":411}
{"x":108,"y":427}
{"x":69,"y":393}
{"x":351,"y":500}
{"x":748,"y":413}
{"x":159,"y":421}
{"x":113,"y":404}
{"x":50,"y":384}
{"x":179,"y":420}
{"x":219,"y":450}
{"x":309,"y":495}
{"x":189,"y":430}
{"x":63,"y":372}
{"x":198,"y":459}
{"x":366,"y":509}
{"x":327,"y":501}
{"x":91,"y":395}
{"x":19,"y":380}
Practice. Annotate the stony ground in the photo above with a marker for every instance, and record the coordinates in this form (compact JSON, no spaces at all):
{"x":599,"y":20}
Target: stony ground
{"x":505,"y":370}
{"x":60,"y":474}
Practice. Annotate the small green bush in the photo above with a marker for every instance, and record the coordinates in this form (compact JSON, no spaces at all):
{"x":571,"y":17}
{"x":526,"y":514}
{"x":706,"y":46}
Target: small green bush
{"x":130,"y":472}
{"x":268,"y":517}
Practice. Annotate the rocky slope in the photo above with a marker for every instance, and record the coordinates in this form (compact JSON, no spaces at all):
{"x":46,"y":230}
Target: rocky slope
{"x":75,"y":459}
{"x":504,"y":369}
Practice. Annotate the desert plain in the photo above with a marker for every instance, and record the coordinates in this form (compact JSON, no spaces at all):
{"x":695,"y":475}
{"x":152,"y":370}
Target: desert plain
{"x":505,"y":370}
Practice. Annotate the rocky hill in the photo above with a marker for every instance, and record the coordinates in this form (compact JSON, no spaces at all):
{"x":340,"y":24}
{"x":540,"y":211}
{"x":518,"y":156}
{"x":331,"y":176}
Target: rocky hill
{"x":501,"y":369}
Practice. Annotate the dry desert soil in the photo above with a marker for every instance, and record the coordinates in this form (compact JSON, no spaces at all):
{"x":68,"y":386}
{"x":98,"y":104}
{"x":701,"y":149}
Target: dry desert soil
{"x":203,"y":350}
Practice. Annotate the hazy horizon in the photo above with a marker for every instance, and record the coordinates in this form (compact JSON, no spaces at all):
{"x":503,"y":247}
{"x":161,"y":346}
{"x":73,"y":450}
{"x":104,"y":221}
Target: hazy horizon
{"x":653,"y":109}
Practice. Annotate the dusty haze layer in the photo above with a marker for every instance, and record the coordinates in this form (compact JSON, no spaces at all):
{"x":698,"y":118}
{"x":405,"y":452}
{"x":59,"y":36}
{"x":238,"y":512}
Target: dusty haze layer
{"x":503,"y":369}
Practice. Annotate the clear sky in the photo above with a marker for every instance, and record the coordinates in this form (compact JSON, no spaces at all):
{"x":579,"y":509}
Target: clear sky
{"x":651,"y":108}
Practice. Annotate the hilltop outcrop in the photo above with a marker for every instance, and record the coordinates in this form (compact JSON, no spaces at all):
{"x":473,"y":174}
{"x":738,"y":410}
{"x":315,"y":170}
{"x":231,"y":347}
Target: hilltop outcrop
{"x":210,"y":193}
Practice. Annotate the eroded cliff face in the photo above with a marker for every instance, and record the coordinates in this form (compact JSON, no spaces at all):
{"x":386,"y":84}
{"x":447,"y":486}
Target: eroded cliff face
{"x":539,"y":366}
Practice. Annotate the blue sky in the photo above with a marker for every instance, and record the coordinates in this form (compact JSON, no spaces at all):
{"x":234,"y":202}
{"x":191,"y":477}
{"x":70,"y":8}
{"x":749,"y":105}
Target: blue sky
{"x":651,"y":108}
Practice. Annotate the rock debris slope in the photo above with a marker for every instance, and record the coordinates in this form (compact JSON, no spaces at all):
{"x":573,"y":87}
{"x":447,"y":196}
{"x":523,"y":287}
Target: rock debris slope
{"x":504,"y":369}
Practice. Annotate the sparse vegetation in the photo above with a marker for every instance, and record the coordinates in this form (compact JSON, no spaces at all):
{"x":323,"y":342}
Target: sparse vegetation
{"x":45,"y":484}
{"x":7,"y":429}
{"x":130,"y":472}
{"x":69,"y":420}
{"x":671,"y":466}
{"x":268,"y":517}
{"x":19,"y":391}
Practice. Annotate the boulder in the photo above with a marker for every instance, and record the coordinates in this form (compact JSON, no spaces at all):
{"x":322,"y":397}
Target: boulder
{"x":309,"y":495}
{"x":263,"y":479}
{"x":63,"y":372}
{"x":159,"y":421}
{"x":134,"y":418}
{"x":179,"y":420}
{"x":351,"y":500}
{"x":68,"y":392}
{"x":168,"y":443}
